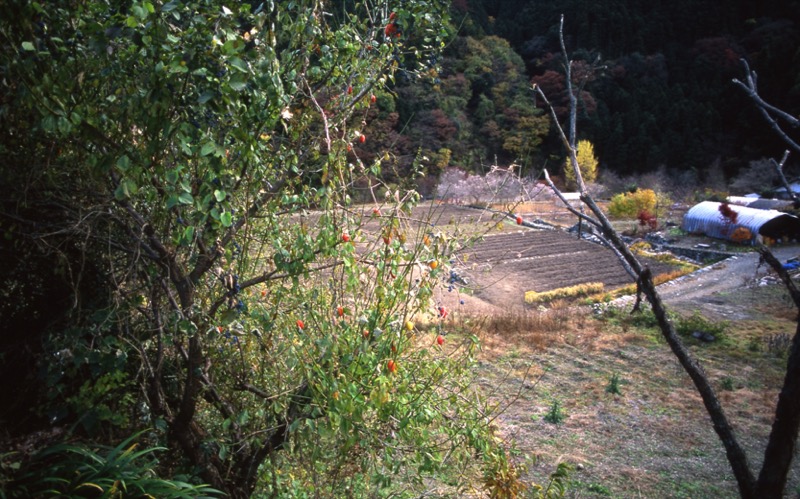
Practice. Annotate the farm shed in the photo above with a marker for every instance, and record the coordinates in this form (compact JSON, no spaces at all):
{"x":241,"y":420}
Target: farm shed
{"x":706,"y":218}
{"x":760,"y":203}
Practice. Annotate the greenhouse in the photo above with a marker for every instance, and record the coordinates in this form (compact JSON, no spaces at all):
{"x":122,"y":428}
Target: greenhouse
{"x":743,"y":224}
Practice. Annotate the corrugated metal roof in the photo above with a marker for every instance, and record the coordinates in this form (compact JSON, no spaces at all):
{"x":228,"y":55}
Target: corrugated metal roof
{"x":706,"y":218}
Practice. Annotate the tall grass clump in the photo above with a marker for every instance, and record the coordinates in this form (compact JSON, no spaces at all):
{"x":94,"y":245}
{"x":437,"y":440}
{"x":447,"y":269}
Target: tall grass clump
{"x":569,"y":292}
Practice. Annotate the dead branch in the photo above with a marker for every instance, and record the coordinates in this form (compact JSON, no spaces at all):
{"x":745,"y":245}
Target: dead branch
{"x":779,"y":168}
{"x":735,"y":453}
{"x":768,"y":111}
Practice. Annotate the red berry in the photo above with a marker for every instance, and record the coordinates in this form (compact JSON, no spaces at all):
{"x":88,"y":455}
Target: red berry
{"x":349,"y":90}
{"x":391,"y":366}
{"x":440,"y":340}
{"x":519,"y":220}
{"x":376,"y":212}
{"x":340,"y":310}
{"x":393,"y":15}
{"x":362,"y":138}
{"x":346,"y":237}
{"x":300,"y":324}
{"x":373,"y":99}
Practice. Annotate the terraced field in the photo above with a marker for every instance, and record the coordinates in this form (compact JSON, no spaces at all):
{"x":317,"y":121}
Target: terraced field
{"x":506,"y":260}
{"x":503,"y":266}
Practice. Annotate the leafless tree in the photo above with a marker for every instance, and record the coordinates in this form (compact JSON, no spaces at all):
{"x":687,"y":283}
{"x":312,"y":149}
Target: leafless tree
{"x":779,"y":453}
{"x":774,"y":117}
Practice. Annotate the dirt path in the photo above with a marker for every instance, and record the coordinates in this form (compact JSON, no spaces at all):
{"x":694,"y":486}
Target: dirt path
{"x":716,"y":291}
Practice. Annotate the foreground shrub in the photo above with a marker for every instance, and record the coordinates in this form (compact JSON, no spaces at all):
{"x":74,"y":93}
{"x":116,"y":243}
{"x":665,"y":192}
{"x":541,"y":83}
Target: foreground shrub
{"x":246,"y":309}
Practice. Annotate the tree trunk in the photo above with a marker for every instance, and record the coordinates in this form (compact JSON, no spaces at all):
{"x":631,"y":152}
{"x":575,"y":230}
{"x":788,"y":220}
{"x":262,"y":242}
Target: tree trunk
{"x":783,"y":438}
{"x":735,"y":453}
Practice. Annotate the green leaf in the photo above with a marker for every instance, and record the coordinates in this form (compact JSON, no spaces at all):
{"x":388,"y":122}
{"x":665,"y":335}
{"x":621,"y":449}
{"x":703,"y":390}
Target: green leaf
{"x":185,"y":198}
{"x":188,"y":235}
{"x":28,"y":46}
{"x":220,"y":195}
{"x":239,"y":64}
{"x":172,"y":201}
{"x":226,"y":219}
{"x":238,"y":83}
{"x":123,"y":163}
{"x":205,"y":97}
{"x":173,"y":175}
{"x":139,"y":11}
{"x":125,"y":189}
{"x":208,"y":148}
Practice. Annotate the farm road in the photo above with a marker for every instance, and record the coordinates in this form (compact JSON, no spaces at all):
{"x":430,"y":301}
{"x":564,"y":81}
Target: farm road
{"x":714,"y":290}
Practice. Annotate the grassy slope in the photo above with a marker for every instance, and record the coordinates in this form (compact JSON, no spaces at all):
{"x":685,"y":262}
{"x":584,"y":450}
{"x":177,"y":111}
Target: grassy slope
{"x":653,"y":440}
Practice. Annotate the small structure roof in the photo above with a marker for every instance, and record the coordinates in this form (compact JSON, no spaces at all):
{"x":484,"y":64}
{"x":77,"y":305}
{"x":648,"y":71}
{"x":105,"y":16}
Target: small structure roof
{"x":706,"y":218}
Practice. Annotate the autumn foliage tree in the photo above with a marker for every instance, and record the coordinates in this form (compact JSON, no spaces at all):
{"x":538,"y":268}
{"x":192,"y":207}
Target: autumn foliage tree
{"x":587,"y":162}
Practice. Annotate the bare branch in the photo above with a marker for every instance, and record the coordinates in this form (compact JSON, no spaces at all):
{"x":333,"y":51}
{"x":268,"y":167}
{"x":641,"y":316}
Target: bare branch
{"x":768,"y":111}
{"x":567,"y":205}
{"x":779,"y":169}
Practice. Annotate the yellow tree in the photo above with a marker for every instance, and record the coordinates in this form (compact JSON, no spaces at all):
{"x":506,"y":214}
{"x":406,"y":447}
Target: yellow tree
{"x":587,"y":162}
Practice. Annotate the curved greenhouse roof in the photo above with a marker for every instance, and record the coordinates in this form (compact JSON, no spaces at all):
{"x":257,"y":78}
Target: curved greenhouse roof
{"x":706,"y":218}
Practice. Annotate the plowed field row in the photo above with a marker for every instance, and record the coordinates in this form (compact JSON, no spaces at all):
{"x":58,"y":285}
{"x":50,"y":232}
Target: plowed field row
{"x":525,"y":244}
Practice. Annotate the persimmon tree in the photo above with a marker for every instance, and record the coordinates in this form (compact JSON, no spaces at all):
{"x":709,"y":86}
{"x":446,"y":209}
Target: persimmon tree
{"x":781,"y":445}
{"x":189,"y":162}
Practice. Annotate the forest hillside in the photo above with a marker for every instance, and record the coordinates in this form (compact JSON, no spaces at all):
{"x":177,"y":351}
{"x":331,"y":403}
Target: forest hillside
{"x":655,"y":80}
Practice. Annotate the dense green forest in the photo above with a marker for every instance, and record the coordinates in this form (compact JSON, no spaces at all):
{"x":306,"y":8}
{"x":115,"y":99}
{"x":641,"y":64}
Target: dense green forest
{"x":655,"y":76}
